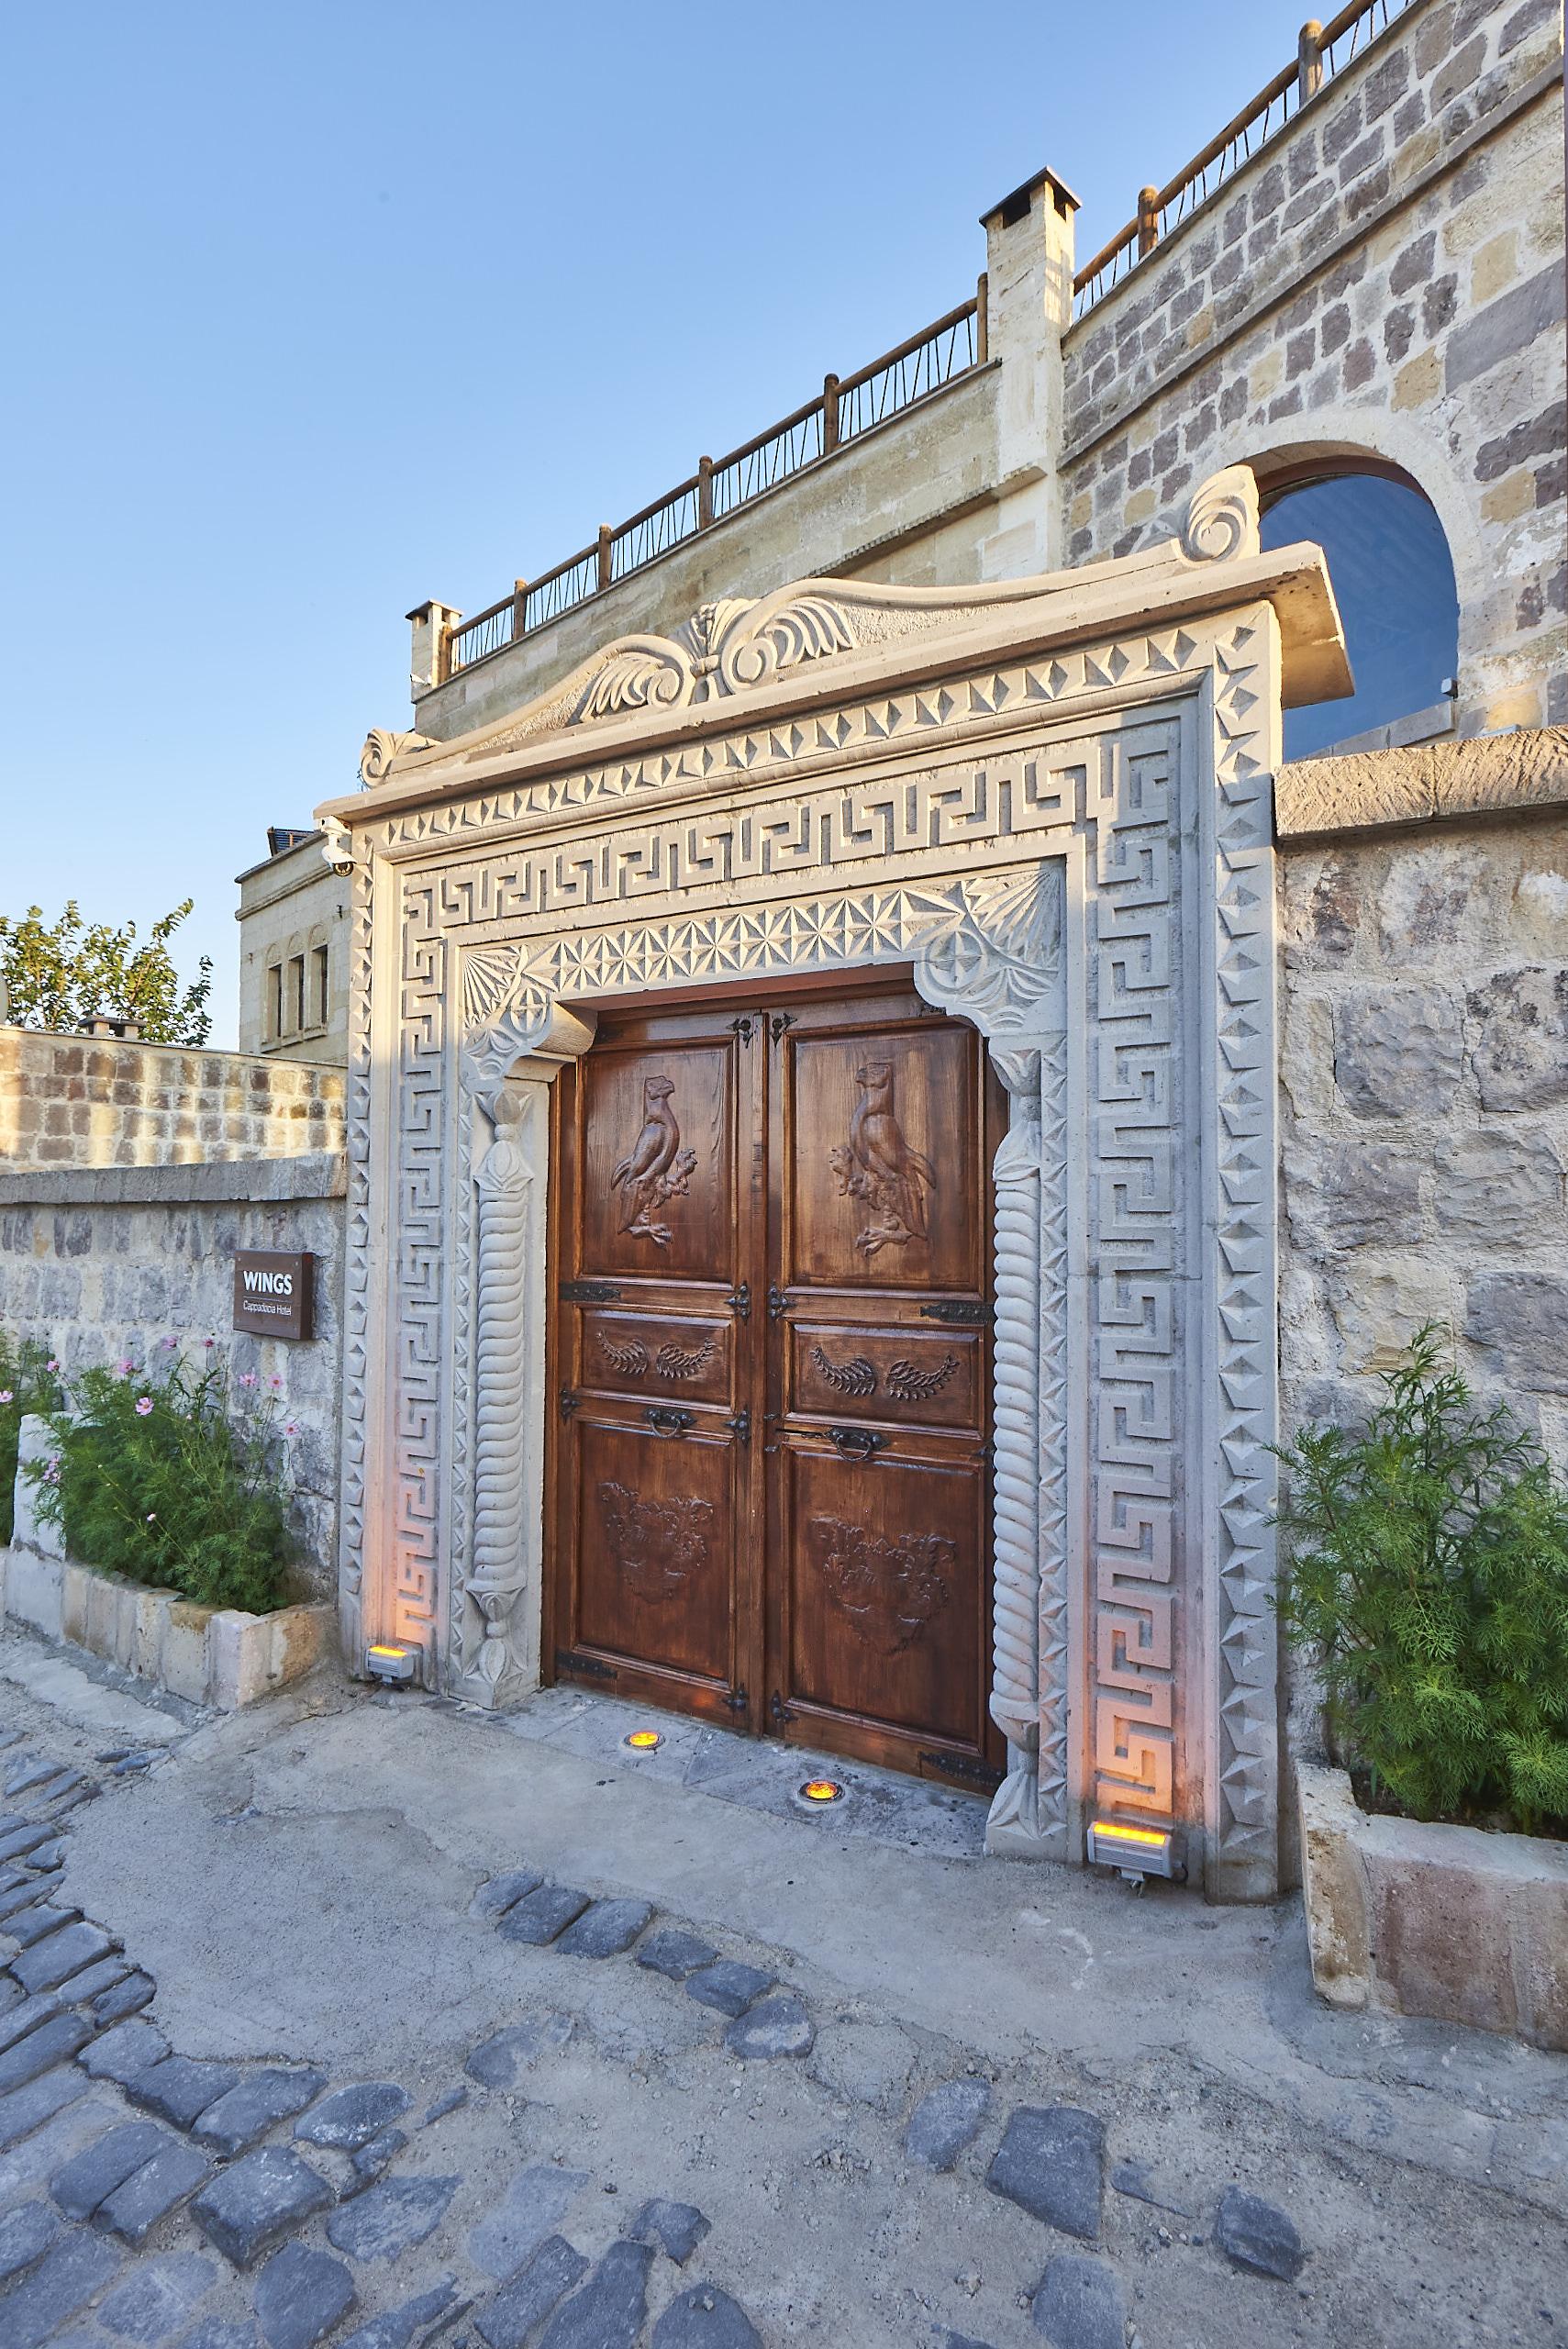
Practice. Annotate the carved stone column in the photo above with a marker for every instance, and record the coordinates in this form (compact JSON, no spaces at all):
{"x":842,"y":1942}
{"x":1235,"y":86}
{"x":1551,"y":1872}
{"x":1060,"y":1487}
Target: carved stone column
{"x":1014,"y":1824}
{"x":508,"y":1375}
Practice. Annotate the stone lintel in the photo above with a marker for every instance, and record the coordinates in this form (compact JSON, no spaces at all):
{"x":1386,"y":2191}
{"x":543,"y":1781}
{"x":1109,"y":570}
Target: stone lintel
{"x":1495,"y":774}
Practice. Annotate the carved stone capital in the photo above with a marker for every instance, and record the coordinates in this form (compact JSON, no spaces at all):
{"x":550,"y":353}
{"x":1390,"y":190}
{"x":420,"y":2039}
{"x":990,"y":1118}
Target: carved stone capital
{"x":998,"y":959}
{"x":381,"y":747}
{"x":1222,"y":517}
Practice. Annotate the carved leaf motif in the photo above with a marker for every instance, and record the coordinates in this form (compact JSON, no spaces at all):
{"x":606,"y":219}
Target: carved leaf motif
{"x":629,"y":1358}
{"x":888,"y":1591}
{"x":654,"y":1544}
{"x":645,"y":672}
{"x":806,"y":628}
{"x":856,"y":1377}
{"x":683,"y":1361}
{"x":913,"y":1385}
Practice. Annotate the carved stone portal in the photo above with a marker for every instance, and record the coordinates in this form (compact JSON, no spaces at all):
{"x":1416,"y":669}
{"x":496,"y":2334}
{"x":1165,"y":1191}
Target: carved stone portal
{"x":1051,"y":801}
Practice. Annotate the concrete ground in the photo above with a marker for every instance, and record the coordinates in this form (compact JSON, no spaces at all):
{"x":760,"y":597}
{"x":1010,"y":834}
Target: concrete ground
{"x":305,"y":1888}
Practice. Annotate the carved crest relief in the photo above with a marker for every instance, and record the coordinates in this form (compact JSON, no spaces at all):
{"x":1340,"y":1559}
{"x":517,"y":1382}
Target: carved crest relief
{"x":889,"y":1592}
{"x":654,"y":1545}
{"x":655,"y":1168}
{"x":880,"y":1168}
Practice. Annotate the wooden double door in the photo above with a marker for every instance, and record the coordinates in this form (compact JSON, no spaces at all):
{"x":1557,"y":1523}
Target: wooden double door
{"x":770,"y":1346}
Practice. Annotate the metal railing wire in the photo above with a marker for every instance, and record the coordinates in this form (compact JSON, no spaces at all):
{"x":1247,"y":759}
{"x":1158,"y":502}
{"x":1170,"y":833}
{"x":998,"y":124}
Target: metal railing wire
{"x":1322,"y":51}
{"x":900,"y":379}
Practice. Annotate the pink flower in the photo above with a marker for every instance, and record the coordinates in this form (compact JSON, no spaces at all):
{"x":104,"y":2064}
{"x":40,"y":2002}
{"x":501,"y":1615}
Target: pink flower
{"x":170,"y":1344}
{"x":143,"y":1405}
{"x":125,"y":1368}
{"x":209,"y":1342}
{"x":52,"y":1364}
{"x":6,"y":1395}
{"x":290,"y":1427}
{"x":274,"y":1380}
{"x":248,"y":1378}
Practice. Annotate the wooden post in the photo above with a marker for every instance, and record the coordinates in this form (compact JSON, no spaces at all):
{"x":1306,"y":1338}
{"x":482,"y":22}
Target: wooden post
{"x":606,"y":560}
{"x":1308,"y":61}
{"x":704,"y":493}
{"x":982,"y":320}
{"x":829,"y":414}
{"x":519,"y":609}
{"x":1148,"y":220}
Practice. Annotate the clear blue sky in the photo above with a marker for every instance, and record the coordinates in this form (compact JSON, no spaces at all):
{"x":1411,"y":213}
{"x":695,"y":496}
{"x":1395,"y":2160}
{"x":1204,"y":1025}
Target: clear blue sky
{"x":316,"y":311}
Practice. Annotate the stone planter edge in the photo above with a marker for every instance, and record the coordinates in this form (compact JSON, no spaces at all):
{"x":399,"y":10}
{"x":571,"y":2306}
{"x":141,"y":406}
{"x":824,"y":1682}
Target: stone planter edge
{"x":220,"y":1657}
{"x":1455,"y":1923}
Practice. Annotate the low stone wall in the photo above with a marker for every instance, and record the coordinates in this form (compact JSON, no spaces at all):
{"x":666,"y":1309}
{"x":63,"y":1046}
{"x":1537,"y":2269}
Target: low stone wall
{"x":103,"y":1264}
{"x":82,"y":1101}
{"x":1447,"y":1921}
{"x":1424,"y":1069}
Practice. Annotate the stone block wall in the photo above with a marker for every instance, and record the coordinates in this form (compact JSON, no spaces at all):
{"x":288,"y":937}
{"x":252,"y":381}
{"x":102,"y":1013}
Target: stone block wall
{"x":1424,"y":1076}
{"x":83,"y":1101}
{"x":103,"y":1264}
{"x":1384,"y":277}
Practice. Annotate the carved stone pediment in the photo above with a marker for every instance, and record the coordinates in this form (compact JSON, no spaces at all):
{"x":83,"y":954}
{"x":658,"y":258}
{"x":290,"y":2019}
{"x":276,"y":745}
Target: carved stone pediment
{"x":741,"y":645}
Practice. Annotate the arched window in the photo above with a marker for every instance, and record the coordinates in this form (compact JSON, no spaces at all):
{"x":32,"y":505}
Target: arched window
{"x":1394,"y":581}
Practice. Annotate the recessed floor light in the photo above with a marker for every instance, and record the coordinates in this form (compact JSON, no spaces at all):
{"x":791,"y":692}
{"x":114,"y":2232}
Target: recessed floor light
{"x":643,"y":1741}
{"x":820,"y":1794}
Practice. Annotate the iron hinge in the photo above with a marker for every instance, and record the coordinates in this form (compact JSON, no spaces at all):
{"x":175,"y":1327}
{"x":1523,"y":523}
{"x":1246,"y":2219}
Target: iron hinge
{"x":567,"y":1660}
{"x":742,"y":1027}
{"x":737,"y":1701}
{"x":569,"y":1399}
{"x":587,"y":1292}
{"x":779,"y":1713}
{"x":740,"y":1426}
{"x":778,"y":1303}
{"x":958,"y":1766}
{"x":966,"y":1311}
{"x":779,"y":1022}
{"x":739,"y":1300}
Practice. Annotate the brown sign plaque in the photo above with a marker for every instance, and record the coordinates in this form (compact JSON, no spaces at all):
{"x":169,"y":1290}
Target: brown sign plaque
{"x":273,"y":1291}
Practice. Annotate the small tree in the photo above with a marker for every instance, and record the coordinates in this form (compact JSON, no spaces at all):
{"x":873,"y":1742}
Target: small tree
{"x":62,"y":975}
{"x":1429,"y":1570}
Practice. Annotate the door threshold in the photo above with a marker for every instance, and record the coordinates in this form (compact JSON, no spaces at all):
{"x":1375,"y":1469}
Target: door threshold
{"x":757,"y":1774}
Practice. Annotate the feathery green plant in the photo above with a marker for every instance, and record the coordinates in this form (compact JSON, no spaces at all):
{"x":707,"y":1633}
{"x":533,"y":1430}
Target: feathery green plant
{"x":1428,"y":1568}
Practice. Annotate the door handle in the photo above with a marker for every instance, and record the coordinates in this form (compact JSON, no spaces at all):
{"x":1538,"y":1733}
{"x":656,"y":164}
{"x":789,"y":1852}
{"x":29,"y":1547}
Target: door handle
{"x":855,"y":1443}
{"x":664,"y":1421}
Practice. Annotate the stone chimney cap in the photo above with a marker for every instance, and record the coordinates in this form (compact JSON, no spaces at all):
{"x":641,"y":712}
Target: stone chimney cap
{"x":1016,"y":203}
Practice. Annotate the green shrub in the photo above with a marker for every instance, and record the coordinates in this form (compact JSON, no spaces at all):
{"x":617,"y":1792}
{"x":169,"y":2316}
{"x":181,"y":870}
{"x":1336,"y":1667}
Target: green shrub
{"x":1429,"y":1570}
{"x":27,"y":1383}
{"x":156,"y":1480}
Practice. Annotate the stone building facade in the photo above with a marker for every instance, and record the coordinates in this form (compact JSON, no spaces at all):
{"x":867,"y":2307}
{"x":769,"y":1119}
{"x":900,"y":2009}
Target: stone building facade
{"x":293,"y":963}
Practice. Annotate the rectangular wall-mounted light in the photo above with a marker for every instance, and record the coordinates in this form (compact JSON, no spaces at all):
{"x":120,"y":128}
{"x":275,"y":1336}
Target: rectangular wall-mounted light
{"x":1135,"y":1851}
{"x":384,"y":1661}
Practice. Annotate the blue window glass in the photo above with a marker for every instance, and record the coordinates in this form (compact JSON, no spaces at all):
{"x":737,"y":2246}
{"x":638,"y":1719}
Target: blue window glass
{"x":1394,"y":581}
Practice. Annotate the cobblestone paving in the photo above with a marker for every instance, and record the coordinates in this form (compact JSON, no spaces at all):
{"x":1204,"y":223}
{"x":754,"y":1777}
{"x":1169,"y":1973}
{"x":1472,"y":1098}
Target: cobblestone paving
{"x":150,"y":2197}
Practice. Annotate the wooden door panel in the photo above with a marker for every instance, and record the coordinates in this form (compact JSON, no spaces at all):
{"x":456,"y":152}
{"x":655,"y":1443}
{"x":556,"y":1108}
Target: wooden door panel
{"x":886,"y":1564}
{"x":880,"y":1140}
{"x":903,"y":1375}
{"x":661,"y":1357}
{"x":655,"y":1549}
{"x":657,"y":1196}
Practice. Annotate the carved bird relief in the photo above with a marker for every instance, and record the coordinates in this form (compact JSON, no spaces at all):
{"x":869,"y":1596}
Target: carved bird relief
{"x":889,"y":1591}
{"x":655,"y":1168}
{"x":880,"y":1168}
{"x":654,"y":1545}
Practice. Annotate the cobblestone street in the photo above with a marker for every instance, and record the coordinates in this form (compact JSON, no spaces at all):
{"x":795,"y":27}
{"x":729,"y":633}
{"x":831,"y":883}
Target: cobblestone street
{"x":369,"y":2021}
